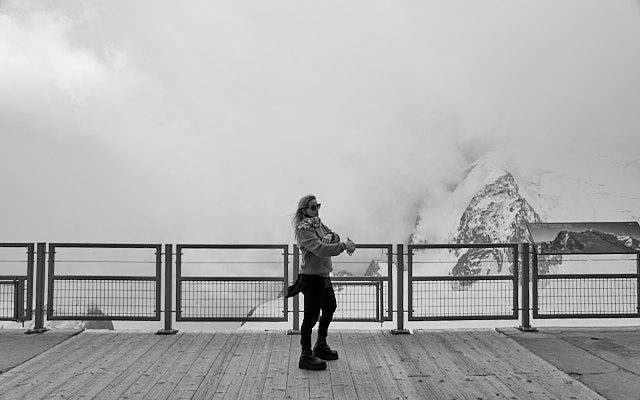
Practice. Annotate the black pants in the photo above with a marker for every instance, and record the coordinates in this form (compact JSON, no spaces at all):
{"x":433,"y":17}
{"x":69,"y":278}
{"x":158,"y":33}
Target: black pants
{"x":318,"y":296}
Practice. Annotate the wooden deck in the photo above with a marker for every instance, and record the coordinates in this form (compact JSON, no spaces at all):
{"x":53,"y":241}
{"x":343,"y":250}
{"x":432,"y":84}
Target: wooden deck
{"x":451,"y":364}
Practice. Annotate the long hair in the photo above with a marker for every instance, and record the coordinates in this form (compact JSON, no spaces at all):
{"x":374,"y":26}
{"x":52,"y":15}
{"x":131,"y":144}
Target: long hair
{"x":302,"y":204}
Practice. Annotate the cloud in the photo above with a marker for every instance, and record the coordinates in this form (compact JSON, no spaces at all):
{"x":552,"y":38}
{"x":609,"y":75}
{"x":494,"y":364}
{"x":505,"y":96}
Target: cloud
{"x":207,"y":123}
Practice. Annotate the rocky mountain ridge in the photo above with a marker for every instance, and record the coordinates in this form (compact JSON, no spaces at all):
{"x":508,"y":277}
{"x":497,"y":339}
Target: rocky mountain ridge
{"x":591,"y":241}
{"x":496,"y":213}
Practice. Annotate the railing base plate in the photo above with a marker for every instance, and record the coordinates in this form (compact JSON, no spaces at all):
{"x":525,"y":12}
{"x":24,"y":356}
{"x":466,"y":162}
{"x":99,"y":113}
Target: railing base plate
{"x":526,"y":329}
{"x":39,"y":330}
{"x":167,"y":332}
{"x":400,"y":332}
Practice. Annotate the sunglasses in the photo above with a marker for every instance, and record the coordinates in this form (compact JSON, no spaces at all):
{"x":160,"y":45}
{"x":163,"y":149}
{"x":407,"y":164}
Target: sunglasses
{"x":315,"y":207}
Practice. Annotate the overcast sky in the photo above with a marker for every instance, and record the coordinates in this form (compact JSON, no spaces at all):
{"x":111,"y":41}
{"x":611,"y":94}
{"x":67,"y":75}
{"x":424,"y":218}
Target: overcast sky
{"x":206,"y":121}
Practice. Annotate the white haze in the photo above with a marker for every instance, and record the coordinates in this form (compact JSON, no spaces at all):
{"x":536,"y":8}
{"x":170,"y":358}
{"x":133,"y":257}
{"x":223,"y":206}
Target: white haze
{"x":158,"y":121}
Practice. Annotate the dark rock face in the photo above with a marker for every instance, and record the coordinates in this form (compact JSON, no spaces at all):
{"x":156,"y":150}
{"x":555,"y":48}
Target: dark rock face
{"x":589,"y":241}
{"x":374,"y":269}
{"x":496,"y":214}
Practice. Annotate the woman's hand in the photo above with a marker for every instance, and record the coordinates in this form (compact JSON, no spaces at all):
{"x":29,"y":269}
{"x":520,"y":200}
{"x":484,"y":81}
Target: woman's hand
{"x":327,"y":238}
{"x":351,"y":246}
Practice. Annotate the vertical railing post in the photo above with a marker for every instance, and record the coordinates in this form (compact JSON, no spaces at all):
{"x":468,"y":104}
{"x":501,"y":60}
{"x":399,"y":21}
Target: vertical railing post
{"x":18,"y":300}
{"x":40,"y":268}
{"x":400,"y":299}
{"x":517,"y":249}
{"x":296,"y":298}
{"x":168,"y":292}
{"x":379,"y":301}
{"x":30,"y":272}
{"x":526,"y":323}
{"x":534,"y":281}
{"x":286,"y":282}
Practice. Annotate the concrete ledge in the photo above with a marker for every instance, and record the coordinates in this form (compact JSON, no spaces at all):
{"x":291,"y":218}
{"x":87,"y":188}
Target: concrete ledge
{"x":606,"y":360}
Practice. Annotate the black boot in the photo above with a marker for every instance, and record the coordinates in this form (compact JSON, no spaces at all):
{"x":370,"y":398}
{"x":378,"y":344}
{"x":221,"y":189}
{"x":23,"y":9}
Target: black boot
{"x":309,"y":361}
{"x":323,"y":351}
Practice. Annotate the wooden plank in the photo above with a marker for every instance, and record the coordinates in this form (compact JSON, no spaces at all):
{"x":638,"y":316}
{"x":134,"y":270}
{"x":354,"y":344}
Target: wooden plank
{"x":41,"y":363}
{"x":482,"y":361}
{"x":470,"y":374}
{"x":177,"y":346}
{"x":90,"y":375}
{"x":438,"y":378}
{"x":513,"y":368}
{"x":65,"y":368}
{"x":144,"y":362}
{"x":474,"y":367}
{"x":394,"y":365}
{"x":339,"y":371}
{"x":254,"y":380}
{"x":372,"y":365}
{"x":297,"y":379}
{"x":231,"y":382}
{"x":360,"y":371}
{"x":113,"y":380}
{"x":511,"y":358}
{"x":218,"y":357}
{"x":379,"y":369}
{"x":416,"y":370}
{"x":193,"y":365}
{"x":320,"y":382}
{"x":134,"y":349}
{"x":275,"y":385}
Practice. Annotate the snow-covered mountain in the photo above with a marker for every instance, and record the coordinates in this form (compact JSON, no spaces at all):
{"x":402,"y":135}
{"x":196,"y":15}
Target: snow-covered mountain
{"x":590,"y":240}
{"x":629,"y":242}
{"x":497,"y":213}
{"x":495,"y":200}
{"x":377,"y":268}
{"x":559,"y":189}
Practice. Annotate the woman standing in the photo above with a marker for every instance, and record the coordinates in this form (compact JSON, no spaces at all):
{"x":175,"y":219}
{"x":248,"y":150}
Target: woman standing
{"x":318,"y":244}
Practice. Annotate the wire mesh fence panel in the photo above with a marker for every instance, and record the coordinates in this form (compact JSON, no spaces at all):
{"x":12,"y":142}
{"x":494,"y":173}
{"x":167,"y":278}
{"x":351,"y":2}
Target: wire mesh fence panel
{"x":586,"y":286}
{"x":463,"y":281}
{"x":241,"y":299}
{"x":7,"y":301}
{"x":452,"y":298}
{"x":587,"y":296}
{"x":231,"y":282}
{"x":17,"y":267}
{"x":362,"y":283}
{"x":108,"y":298}
{"x":97,"y":281}
{"x":359,"y":300}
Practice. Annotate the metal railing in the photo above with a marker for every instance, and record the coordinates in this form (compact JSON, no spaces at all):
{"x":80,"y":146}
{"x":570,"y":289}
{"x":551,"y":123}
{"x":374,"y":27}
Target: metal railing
{"x":470,"y":293}
{"x":365,"y":298}
{"x":586,"y":295}
{"x":227,"y":288}
{"x":361,"y":299}
{"x":234,"y":297}
{"x":11,"y":299}
{"x":16,"y":290}
{"x":126,"y":297}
